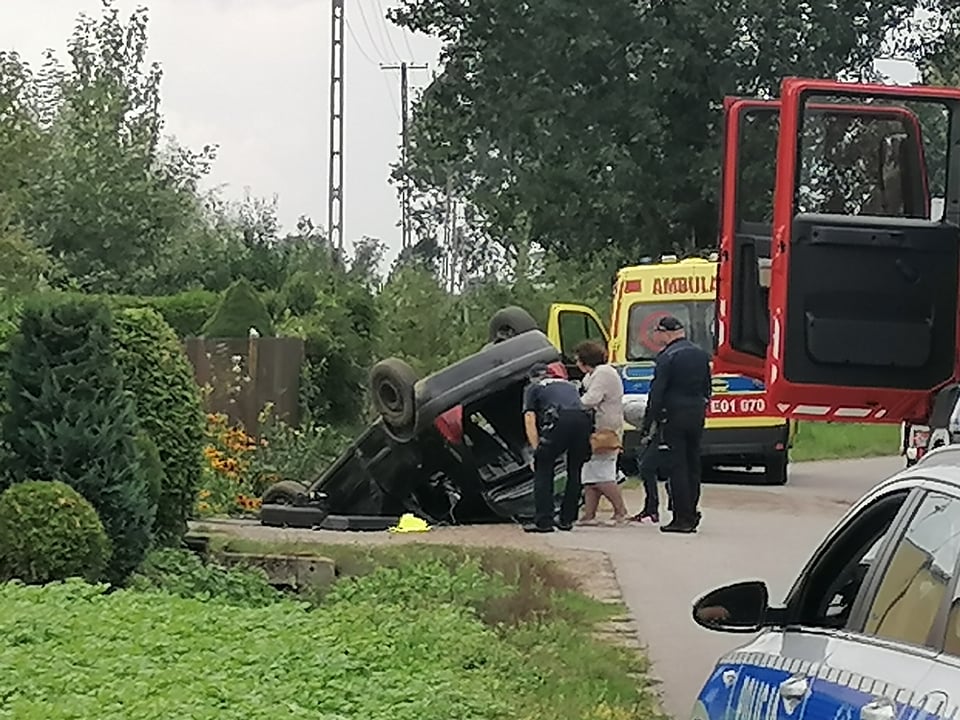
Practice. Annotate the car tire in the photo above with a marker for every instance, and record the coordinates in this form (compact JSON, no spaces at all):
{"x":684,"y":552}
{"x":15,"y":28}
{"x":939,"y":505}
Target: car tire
{"x":509,"y":322}
{"x":286,"y":492}
{"x":393,"y":390}
{"x":775,"y":469}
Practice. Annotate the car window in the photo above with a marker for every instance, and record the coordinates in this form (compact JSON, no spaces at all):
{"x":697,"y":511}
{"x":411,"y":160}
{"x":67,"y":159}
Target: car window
{"x":920,"y":573}
{"x":575,"y":327}
{"x":833,"y":581}
{"x":951,"y":642}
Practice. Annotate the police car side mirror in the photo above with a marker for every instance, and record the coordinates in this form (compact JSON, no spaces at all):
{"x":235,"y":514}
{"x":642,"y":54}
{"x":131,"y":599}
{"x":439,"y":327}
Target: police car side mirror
{"x":739,"y":608}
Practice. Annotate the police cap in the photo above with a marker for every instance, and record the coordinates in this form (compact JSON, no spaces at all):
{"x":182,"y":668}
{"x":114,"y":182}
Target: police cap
{"x":668,"y":323}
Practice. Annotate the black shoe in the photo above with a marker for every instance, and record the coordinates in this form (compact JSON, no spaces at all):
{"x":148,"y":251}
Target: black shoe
{"x":566,"y":527}
{"x":697,"y":517}
{"x":533,"y":528}
{"x":675,"y":526}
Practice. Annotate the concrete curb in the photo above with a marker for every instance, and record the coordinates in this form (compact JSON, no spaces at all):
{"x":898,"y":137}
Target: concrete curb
{"x":621,"y":629}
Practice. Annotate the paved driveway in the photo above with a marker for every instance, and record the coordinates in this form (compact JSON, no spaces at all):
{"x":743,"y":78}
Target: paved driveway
{"x":758,"y":532}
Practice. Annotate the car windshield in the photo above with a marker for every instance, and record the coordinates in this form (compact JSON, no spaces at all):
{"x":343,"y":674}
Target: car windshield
{"x":696,"y":316}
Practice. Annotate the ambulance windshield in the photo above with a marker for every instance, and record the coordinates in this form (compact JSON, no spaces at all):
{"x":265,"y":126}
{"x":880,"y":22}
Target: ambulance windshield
{"x":696,"y":316}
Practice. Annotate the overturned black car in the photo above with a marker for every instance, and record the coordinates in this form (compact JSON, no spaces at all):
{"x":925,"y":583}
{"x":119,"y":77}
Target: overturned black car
{"x":449,"y":448}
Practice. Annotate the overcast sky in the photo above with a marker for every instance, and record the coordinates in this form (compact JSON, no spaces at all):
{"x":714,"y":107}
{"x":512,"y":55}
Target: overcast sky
{"x":253,"y":76}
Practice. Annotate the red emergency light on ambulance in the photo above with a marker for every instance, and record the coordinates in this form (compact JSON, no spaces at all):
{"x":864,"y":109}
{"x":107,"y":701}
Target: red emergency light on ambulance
{"x":836,"y":287}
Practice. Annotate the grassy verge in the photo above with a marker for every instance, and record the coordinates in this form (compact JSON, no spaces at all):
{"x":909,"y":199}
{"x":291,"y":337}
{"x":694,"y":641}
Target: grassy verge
{"x":415,"y":632}
{"x":827,"y":441}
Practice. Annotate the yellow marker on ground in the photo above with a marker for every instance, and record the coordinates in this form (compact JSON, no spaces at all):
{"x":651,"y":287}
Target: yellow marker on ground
{"x":410,"y":523}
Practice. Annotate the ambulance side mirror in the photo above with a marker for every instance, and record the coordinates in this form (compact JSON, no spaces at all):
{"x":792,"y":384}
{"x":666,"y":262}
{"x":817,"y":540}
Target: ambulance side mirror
{"x":739,"y":608}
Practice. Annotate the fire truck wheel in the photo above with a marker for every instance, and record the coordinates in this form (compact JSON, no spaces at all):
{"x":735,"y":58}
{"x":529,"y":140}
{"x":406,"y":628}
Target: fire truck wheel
{"x":775,"y":469}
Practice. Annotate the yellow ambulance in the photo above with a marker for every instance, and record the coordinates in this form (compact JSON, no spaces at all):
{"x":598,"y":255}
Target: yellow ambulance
{"x":740,"y":430}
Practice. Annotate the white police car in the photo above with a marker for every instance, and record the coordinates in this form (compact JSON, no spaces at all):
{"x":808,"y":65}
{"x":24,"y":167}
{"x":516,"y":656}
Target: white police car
{"x":871,"y":628}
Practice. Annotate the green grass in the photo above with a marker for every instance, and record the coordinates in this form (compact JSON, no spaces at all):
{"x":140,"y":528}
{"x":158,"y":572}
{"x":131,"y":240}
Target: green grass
{"x":828,"y":441}
{"x":419,"y":632}
{"x":541,"y":588}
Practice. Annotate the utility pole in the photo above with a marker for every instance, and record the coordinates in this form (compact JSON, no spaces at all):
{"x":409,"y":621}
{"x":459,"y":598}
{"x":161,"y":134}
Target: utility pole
{"x":335,"y":186}
{"x":404,"y":68}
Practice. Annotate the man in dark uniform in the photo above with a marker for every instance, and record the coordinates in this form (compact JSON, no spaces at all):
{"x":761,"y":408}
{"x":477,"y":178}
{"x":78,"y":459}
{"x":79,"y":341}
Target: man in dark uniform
{"x":679,"y":393}
{"x":556,"y":422}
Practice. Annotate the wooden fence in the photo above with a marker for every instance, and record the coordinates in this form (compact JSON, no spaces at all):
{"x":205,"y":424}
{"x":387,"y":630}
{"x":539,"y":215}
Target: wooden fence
{"x":241,"y":375}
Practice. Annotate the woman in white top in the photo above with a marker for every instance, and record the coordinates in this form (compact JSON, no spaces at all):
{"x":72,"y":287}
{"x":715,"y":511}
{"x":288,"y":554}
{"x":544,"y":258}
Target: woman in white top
{"x":603,"y":393}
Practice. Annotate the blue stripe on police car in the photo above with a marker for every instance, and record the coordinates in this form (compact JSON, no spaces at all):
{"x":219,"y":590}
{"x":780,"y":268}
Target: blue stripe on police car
{"x":753,"y":692}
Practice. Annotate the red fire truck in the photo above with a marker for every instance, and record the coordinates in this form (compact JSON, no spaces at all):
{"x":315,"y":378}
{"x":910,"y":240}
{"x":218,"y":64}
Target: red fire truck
{"x":837,"y":286}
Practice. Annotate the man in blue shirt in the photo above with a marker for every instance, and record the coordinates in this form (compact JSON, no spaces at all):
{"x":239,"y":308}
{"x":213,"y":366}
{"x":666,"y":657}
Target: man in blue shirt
{"x":679,"y":393}
{"x":556,"y":422}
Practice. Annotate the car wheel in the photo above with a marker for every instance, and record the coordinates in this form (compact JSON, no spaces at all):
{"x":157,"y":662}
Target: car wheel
{"x":775,"y":469}
{"x":509,"y":322}
{"x":392,"y":387}
{"x":286,"y":492}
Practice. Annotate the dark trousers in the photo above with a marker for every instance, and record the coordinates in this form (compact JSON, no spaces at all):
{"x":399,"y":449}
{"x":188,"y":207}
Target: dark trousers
{"x":683,"y":433}
{"x":653,"y":468}
{"x":570,"y":434}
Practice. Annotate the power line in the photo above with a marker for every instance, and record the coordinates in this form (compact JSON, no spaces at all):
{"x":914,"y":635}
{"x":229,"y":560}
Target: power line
{"x":386,"y":30}
{"x":406,"y":41}
{"x":356,"y":41}
{"x":396,"y":109}
{"x":363,"y":16}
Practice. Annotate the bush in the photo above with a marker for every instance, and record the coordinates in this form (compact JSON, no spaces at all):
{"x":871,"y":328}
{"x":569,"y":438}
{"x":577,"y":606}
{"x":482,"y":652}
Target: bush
{"x":169,"y":407}
{"x":240,"y":310}
{"x":185,"y":312}
{"x":49,"y":532}
{"x":9,"y":323}
{"x":182,"y":573}
{"x":338,"y":337}
{"x":148,"y":458}
{"x":71,"y":419}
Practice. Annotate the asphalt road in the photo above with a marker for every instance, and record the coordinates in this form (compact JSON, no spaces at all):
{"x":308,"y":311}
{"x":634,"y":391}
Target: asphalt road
{"x":747,"y":532}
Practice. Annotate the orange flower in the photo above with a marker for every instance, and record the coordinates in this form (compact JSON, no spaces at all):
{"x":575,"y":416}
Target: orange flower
{"x":248,"y":503}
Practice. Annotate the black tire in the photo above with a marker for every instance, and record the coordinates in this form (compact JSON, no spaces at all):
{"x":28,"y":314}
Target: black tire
{"x":775,"y":469}
{"x":509,"y":322}
{"x":286,"y":492}
{"x":393,"y":389}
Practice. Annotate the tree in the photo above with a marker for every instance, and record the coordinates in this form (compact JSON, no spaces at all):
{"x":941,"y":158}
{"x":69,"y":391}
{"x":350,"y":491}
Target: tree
{"x":71,"y":420}
{"x":97,"y":187}
{"x":600,"y":122}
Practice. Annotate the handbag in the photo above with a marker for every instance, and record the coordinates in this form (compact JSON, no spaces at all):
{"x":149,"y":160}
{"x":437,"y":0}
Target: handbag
{"x":605,"y":441}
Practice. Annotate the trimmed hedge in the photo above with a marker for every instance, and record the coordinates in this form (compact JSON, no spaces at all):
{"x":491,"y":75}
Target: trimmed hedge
{"x":49,"y":532}
{"x":185,"y":312}
{"x":169,"y":408}
{"x":241,"y":309}
{"x":71,"y":419}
